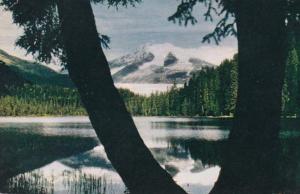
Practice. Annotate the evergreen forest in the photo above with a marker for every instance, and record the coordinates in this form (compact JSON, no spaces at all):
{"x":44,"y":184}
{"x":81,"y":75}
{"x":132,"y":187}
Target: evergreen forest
{"x":211,"y":91}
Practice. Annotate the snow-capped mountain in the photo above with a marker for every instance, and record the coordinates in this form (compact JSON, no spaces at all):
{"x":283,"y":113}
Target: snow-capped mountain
{"x":160,"y":63}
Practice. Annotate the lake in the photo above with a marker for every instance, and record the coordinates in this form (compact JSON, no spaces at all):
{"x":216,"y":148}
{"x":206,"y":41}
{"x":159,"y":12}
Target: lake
{"x":63,"y":155}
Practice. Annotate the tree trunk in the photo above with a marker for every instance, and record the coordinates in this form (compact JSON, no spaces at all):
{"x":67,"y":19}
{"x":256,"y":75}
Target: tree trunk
{"x":250,"y":165}
{"x":89,"y":70}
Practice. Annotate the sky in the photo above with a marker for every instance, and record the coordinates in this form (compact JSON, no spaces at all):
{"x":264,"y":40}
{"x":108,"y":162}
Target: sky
{"x":133,"y":27}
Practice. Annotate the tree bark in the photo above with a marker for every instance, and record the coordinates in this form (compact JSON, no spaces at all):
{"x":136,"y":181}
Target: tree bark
{"x":89,"y":70}
{"x":250,"y":165}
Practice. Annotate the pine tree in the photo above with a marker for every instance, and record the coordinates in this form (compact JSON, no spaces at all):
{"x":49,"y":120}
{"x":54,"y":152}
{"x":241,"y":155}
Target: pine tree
{"x":290,"y":91}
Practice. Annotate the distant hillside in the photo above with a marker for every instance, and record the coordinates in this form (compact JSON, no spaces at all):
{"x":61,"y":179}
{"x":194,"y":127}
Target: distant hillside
{"x":34,"y":72}
{"x":9,"y":78}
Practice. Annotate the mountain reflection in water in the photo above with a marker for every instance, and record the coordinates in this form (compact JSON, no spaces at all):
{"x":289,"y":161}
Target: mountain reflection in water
{"x":63,"y":155}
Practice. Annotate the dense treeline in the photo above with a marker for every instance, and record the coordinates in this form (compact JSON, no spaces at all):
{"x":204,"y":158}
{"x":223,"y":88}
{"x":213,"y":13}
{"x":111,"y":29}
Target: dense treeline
{"x":41,"y":101}
{"x":210,"y":92}
{"x":213,"y":92}
{"x":291,"y":87}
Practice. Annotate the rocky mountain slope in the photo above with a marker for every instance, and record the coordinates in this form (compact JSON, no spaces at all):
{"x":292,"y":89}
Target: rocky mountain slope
{"x":162,"y":63}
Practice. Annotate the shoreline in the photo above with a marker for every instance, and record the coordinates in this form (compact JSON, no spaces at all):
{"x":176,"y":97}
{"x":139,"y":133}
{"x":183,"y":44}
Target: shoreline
{"x":162,"y":116}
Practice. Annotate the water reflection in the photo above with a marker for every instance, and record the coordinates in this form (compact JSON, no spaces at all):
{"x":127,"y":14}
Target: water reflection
{"x":290,"y":164}
{"x":22,"y":151}
{"x":75,"y":182}
{"x":64,"y":156}
{"x":30,"y":183}
{"x":209,"y":152}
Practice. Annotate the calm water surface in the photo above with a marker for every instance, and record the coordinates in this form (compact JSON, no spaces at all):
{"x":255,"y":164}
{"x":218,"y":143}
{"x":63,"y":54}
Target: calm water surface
{"x":63,"y":155}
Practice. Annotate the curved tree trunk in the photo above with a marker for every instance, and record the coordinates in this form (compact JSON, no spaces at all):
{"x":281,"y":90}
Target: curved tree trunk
{"x":89,"y":70}
{"x":250,"y":165}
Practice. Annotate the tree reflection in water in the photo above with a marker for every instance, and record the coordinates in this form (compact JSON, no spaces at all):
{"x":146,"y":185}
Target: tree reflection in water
{"x":23,"y":152}
{"x":33,"y":182}
{"x":75,"y":182}
{"x":247,"y":161}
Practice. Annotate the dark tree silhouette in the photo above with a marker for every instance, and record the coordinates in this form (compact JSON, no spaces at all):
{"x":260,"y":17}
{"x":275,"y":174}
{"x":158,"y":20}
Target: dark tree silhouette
{"x":250,"y":165}
{"x":89,"y":70}
{"x":262,"y":54}
{"x":79,"y":48}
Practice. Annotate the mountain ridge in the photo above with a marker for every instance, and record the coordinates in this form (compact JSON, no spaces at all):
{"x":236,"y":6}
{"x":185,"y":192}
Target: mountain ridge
{"x":150,"y":64}
{"x":161,"y":63}
{"x":34,"y":72}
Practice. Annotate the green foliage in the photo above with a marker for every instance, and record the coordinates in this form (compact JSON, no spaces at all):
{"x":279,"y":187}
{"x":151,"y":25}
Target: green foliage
{"x":213,"y":92}
{"x":41,"y":101}
{"x":210,"y":92}
{"x":291,"y":91}
{"x":228,"y":86}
